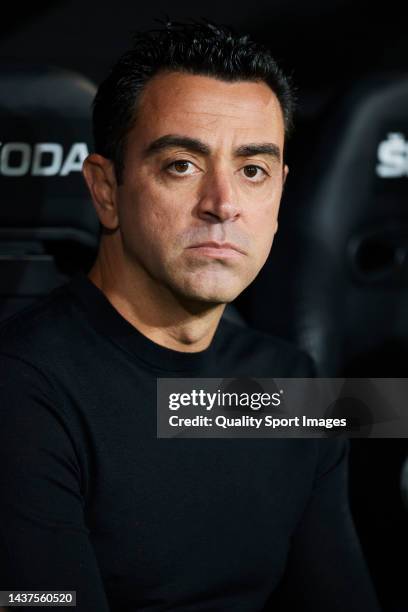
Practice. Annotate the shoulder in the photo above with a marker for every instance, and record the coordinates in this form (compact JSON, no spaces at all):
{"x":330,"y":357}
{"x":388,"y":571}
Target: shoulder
{"x":35,"y":332}
{"x":33,"y":347}
{"x":267,"y":354}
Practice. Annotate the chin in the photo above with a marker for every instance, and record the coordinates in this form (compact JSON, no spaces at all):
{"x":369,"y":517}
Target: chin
{"x":215,"y":298}
{"x":211,"y":295}
{"x":209,"y":286}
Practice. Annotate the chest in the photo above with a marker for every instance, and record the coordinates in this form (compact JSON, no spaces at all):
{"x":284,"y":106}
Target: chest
{"x":180,"y":516}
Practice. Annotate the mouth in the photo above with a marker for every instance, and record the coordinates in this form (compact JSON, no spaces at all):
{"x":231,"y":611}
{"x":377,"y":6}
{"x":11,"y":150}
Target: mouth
{"x":217,"y":249}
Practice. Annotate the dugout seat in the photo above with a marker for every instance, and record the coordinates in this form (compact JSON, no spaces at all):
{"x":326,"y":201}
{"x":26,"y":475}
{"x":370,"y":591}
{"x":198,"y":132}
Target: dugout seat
{"x":48,"y":229}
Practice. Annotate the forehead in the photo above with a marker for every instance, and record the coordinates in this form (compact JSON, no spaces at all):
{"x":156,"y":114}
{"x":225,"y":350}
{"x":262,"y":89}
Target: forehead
{"x":208,"y":108}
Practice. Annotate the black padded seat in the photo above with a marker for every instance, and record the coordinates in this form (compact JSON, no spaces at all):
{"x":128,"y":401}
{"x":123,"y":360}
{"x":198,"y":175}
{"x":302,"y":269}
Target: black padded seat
{"x":48,"y":226}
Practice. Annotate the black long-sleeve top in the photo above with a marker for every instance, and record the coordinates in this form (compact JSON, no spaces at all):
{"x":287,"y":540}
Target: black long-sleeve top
{"x":92,"y":501}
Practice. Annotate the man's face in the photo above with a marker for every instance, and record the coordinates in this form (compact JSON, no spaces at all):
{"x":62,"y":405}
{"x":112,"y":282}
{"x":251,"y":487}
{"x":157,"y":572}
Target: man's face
{"x":203,"y":163}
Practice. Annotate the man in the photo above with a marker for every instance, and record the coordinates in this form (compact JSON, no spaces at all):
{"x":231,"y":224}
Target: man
{"x":186,"y":181}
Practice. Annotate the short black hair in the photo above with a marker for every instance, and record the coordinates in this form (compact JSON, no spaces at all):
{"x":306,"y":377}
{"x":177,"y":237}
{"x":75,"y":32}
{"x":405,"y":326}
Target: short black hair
{"x":197,"y":47}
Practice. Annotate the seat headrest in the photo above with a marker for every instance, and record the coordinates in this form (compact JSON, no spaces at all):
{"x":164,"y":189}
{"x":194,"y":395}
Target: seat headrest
{"x":45,"y":134}
{"x":359,"y":195}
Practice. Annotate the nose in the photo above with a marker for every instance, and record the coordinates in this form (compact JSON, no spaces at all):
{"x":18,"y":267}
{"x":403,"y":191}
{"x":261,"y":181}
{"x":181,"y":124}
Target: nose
{"x":217,"y":201}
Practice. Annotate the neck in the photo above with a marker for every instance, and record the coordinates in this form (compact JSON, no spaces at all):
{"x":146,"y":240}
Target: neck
{"x":173,"y":322}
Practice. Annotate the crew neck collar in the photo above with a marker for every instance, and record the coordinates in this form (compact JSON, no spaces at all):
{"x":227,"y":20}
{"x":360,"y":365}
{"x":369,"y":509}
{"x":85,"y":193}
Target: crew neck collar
{"x":103,"y":315}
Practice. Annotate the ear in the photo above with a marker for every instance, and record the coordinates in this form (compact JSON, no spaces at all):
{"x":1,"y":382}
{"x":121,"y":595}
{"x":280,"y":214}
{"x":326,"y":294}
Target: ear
{"x":285,"y":174}
{"x":99,"y":175}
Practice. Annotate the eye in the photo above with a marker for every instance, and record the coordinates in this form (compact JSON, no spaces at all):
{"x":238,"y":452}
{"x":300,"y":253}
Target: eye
{"x":181,"y":166}
{"x":256,"y":173}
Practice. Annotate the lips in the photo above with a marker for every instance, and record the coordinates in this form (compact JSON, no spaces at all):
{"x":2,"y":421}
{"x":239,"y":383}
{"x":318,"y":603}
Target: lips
{"x":218,"y":245}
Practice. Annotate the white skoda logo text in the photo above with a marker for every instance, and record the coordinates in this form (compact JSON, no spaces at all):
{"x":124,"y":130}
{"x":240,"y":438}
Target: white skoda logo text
{"x":392,"y":155}
{"x":41,"y":159}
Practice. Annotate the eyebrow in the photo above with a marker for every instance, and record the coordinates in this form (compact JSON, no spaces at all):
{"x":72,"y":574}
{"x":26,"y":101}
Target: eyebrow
{"x":197,"y":146}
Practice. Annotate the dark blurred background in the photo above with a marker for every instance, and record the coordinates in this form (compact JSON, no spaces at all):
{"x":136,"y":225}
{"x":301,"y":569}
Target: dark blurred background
{"x":323,"y":44}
